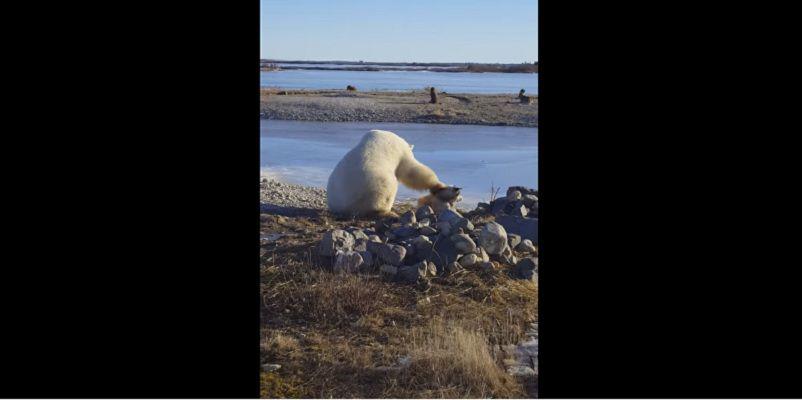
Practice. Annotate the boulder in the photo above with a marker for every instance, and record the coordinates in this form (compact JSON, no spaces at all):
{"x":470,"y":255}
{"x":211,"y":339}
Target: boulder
{"x":493,"y":238}
{"x":469,"y":260}
{"x":412,"y":273}
{"x":391,"y":254}
{"x":514,"y":239}
{"x":334,"y":241}
{"x":525,"y":227}
{"x":526,"y":246}
{"x":404,"y":231}
{"x":518,"y":209}
{"x":408,"y":218}
{"x":463,"y":243}
{"x":424,"y":212}
{"x":388,"y":271}
{"x":348,"y":262}
{"x":462,"y":223}
{"x":526,"y":268}
{"x":448,"y":215}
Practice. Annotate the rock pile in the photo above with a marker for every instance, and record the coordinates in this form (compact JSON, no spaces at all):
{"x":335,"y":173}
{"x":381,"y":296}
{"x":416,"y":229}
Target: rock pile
{"x":425,"y":243}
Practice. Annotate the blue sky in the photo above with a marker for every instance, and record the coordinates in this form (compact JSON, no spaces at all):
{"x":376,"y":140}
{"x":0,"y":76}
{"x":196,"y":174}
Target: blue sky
{"x":487,"y":31}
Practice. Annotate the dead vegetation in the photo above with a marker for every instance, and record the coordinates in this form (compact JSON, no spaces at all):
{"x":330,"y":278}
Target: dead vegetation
{"x":357,"y":336}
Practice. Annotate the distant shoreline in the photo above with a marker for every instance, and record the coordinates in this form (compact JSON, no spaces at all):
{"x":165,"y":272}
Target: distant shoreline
{"x":277,"y":65}
{"x":404,"y":107}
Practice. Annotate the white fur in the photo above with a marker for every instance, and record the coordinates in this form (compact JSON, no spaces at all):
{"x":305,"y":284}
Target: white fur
{"x":365,"y":181}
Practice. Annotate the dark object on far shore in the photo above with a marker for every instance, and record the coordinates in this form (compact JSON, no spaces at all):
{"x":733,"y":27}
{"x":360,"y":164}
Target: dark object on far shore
{"x":524,"y":98}
{"x":351,"y":88}
{"x":433,"y":95}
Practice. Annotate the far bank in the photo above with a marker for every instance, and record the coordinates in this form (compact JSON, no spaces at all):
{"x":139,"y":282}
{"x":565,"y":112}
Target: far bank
{"x":406,"y":107}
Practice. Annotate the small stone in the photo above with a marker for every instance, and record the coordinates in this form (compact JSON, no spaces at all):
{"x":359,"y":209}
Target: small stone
{"x":493,"y":238}
{"x":462,"y":223}
{"x":424,"y":212}
{"x":423,"y":222}
{"x":526,"y":268}
{"x":422,"y":242}
{"x":463,"y":243}
{"x":334,"y":241}
{"x":449,"y":216}
{"x":375,"y":238}
{"x":347,"y":261}
{"x":367,"y":260}
{"x":469,"y":260}
{"x":427,"y":230}
{"x":453,"y":267}
{"x":519,"y":210}
{"x":411,"y":273}
{"x":444,"y":228}
{"x":361,"y":245}
{"x":270,"y":367}
{"x":530,"y":200}
{"x":514,"y":239}
{"x":408,"y":218}
{"x":487,"y":265}
{"x":358,"y":234}
{"x":526,"y":246}
{"x":403,"y":232}
{"x":389,"y":253}
{"x":388,"y":271}
{"x":513,"y":194}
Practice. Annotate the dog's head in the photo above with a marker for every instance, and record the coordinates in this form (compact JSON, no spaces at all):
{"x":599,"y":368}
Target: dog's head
{"x":446,"y":193}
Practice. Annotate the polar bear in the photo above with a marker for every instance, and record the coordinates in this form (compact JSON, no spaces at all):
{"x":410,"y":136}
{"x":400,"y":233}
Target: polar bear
{"x":364,"y":183}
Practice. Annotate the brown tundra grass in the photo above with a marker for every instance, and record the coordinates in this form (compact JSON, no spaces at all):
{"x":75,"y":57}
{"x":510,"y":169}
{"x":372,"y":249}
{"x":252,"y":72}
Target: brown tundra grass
{"x":357,"y":336}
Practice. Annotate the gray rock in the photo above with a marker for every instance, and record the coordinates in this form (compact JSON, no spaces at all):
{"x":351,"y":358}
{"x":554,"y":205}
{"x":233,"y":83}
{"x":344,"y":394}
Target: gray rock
{"x":367,"y":260}
{"x":453,"y":267}
{"x":462,"y":223}
{"x":444,"y":228}
{"x":493,"y":238}
{"x":526,"y":268}
{"x":375,"y":238}
{"x":270,"y":367}
{"x":411,"y":273}
{"x":389,"y":253}
{"x":518,"y":210}
{"x":530,"y":200}
{"x":358,"y":234}
{"x":523,"y":190}
{"x":500,"y":205}
{"x":388,"y":271}
{"x":526,"y":227}
{"x":483,"y":256}
{"x":427,"y":230}
{"x":521,"y":371}
{"x":347,"y":261}
{"x":526,"y":246}
{"x":469,"y":260}
{"x":463,"y":243}
{"x":408,"y":218}
{"x":361,"y":245}
{"x":334,"y":241}
{"x":487,"y":265}
{"x":514,"y":239}
{"x":483,"y":208}
{"x":424,"y":212}
{"x":405,"y":231}
{"x":422,"y":243}
{"x":449,"y":216}
{"x":513,"y":194}
{"x":423,"y":222}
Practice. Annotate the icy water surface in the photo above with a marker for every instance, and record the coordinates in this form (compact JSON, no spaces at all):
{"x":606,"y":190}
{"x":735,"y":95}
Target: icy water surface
{"x":472,"y":157}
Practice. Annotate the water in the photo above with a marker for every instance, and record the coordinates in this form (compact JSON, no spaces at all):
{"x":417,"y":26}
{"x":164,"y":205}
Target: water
{"x":472,"y":157}
{"x":453,"y":82}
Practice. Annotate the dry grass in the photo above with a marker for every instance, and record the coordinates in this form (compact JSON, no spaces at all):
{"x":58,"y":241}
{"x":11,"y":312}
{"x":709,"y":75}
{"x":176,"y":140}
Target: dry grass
{"x":450,"y":361}
{"x":342,"y":336}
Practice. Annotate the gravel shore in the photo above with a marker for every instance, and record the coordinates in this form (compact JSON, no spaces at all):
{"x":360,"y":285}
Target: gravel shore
{"x":407,"y":107}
